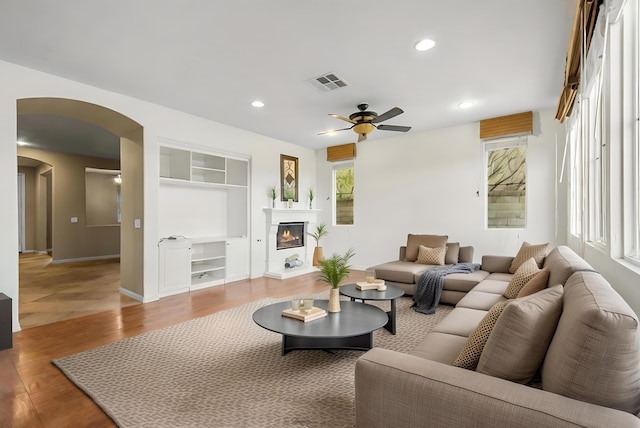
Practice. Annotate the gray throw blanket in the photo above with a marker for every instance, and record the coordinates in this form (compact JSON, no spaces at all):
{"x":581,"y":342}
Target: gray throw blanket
{"x":429,"y":286}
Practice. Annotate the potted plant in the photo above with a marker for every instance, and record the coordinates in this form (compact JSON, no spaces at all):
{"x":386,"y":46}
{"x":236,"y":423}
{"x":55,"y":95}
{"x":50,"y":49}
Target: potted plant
{"x":311,"y":195}
{"x":273,"y":194}
{"x":321,"y":231}
{"x":332,"y":271}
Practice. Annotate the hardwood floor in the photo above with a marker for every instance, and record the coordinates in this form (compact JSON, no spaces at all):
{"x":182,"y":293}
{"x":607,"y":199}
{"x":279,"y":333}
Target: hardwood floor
{"x":34,"y":393}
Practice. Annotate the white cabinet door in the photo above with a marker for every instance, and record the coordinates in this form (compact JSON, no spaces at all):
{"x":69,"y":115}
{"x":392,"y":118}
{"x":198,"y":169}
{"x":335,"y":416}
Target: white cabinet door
{"x":175,"y":266}
{"x":237,"y":259}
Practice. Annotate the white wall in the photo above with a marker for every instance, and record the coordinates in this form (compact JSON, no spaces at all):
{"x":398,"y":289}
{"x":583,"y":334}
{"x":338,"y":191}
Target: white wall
{"x":158,"y":122}
{"x":427,"y":183}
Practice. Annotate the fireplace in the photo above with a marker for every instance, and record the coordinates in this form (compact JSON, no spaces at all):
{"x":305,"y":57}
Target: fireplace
{"x":286,"y":241}
{"x":290,"y":235}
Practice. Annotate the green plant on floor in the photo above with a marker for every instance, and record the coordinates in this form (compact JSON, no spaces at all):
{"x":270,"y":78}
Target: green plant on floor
{"x":335,"y":268}
{"x":321,"y":232}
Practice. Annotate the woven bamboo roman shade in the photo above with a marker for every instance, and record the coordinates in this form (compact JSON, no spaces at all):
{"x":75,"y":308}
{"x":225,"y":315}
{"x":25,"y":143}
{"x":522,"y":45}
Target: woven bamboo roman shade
{"x":342,"y":152}
{"x":581,"y":34}
{"x":513,"y":124}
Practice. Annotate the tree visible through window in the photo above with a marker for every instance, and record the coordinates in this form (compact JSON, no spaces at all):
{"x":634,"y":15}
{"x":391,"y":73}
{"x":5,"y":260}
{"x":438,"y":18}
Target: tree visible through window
{"x":344,"y":184}
{"x":506,"y":186}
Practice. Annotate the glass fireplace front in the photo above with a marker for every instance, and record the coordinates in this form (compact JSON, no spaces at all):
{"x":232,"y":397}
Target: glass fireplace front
{"x":290,"y":235}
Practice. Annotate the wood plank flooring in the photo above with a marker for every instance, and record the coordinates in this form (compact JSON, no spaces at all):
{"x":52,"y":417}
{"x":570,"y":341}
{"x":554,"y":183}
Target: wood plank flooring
{"x":33,"y":393}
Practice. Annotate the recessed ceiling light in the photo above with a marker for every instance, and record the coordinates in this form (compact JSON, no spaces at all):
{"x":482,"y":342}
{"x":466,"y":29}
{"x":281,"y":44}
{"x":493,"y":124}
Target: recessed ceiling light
{"x":424,"y":45}
{"x":257,"y":103}
{"x":465,"y":104}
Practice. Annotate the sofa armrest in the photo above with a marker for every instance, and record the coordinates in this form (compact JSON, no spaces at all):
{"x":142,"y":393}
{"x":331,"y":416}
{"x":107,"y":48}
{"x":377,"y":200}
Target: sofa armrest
{"x":403,"y":252}
{"x":493,"y":264}
{"x":395,"y":389}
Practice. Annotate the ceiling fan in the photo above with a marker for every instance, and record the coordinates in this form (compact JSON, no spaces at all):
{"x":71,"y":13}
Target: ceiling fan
{"x":365,"y":121}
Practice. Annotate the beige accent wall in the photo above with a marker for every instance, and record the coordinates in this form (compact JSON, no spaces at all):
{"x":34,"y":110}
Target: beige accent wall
{"x":132,"y":249}
{"x":69,"y":241}
{"x":29,"y":206}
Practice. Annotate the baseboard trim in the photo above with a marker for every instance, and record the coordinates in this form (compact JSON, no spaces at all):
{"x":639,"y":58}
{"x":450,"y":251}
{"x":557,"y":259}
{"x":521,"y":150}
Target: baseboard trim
{"x":85,"y":259}
{"x":131,"y":294}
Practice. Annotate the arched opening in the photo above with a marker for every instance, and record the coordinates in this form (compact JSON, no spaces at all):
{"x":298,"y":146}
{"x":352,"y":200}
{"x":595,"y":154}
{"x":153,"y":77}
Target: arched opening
{"x":64,"y":222}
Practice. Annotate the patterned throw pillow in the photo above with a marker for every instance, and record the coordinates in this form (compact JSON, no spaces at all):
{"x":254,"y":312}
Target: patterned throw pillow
{"x":525,"y":272}
{"x":535,"y":284}
{"x":527,"y":251}
{"x":431,"y":256}
{"x":470,"y":354}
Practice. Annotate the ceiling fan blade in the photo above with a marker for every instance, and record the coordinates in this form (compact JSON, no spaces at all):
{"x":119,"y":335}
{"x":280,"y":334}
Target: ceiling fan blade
{"x":394,"y":128}
{"x":346,"y":119}
{"x":388,"y":115}
{"x":332,"y":131}
{"x":362,"y":137}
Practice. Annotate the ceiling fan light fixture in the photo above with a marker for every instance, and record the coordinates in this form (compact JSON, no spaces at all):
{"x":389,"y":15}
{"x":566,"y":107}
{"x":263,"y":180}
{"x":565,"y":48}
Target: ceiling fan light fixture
{"x":257,"y":103}
{"x":363,"y":128}
{"x":424,"y":45}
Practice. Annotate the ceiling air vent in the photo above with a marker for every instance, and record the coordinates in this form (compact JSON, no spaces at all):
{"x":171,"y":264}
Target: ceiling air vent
{"x":327,"y":82}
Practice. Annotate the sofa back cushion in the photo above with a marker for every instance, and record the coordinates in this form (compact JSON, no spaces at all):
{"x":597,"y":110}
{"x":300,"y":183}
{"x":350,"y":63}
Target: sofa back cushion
{"x":594,"y":355}
{"x":465,"y":255}
{"x":499,"y":264}
{"x":414,"y":242}
{"x":453,"y":252}
{"x":561,"y":262}
{"x":519,"y":340}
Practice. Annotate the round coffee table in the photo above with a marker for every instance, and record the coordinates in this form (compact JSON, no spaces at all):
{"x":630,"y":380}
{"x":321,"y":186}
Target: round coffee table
{"x":351,"y":328}
{"x":391,"y":293}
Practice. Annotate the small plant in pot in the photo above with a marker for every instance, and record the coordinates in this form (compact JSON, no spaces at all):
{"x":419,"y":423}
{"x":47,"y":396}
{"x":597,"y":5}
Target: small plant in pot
{"x":320,"y":232}
{"x":273,"y":194}
{"x":334,"y":270}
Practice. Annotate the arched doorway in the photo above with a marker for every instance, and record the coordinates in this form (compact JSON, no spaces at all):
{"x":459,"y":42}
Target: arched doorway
{"x":130,"y":134}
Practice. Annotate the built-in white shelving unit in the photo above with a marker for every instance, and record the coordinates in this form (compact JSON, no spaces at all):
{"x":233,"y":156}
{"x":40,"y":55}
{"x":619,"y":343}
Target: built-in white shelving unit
{"x":205,"y":198}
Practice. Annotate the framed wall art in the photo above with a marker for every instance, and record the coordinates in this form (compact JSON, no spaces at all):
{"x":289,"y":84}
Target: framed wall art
{"x":288,"y":178}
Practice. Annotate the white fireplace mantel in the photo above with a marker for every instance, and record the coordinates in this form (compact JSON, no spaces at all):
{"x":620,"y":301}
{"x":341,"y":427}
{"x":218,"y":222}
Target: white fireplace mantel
{"x":276,"y":258}
{"x":287,"y":215}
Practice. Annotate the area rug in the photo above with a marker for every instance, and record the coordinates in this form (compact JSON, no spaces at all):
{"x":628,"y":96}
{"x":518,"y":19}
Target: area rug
{"x":223,"y":370}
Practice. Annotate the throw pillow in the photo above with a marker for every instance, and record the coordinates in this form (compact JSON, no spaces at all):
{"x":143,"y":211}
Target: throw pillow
{"x":431,"y":256}
{"x":453,"y":251}
{"x":535,"y":284}
{"x":470,"y":354}
{"x":519,"y":340}
{"x":414,"y":242}
{"x":527,"y":251}
{"x":525,"y":272}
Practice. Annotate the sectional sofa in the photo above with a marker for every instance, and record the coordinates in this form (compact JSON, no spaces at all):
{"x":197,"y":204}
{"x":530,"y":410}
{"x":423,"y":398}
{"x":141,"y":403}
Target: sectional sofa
{"x":565,"y":356}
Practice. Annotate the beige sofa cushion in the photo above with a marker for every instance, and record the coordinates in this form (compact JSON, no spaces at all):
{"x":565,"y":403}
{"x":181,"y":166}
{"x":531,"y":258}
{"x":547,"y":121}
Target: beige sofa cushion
{"x":453,"y":251}
{"x":470,"y":354}
{"x":431,"y":256}
{"x":461,"y":322}
{"x":535,"y":284}
{"x":562,"y":261}
{"x":441,"y":347}
{"x":594,"y":355}
{"x":479,"y":300}
{"x":526,"y":252}
{"x":525,"y":272}
{"x":519,"y":340}
{"x":414,"y":242}
{"x":399,"y":271}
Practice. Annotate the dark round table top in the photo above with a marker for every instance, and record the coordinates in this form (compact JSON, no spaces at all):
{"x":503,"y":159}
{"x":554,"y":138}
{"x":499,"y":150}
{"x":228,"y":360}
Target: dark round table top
{"x":354,"y":319}
{"x":392,"y":292}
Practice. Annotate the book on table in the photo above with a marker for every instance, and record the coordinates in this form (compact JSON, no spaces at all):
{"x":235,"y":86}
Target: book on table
{"x":362,"y":286}
{"x":312,"y":314}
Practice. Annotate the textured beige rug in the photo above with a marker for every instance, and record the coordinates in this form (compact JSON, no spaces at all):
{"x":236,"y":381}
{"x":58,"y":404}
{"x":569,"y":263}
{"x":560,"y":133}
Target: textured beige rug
{"x":223,"y":370}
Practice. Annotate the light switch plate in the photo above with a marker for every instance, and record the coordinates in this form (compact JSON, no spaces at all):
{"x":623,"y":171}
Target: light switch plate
{"x":74,"y":219}
{"x":136,"y":223}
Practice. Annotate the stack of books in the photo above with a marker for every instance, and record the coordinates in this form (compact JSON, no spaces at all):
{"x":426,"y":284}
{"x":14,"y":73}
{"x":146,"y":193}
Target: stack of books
{"x":312,"y":314}
{"x":370,"y":285}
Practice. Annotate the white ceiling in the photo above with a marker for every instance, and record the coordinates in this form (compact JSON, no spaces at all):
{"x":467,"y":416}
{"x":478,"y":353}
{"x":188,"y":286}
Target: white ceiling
{"x":212,"y":58}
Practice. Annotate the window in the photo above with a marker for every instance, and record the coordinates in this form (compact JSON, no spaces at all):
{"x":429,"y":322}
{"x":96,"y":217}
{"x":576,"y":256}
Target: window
{"x":632,"y":150}
{"x":575,"y":178}
{"x":506,"y":183}
{"x":343,"y":185}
